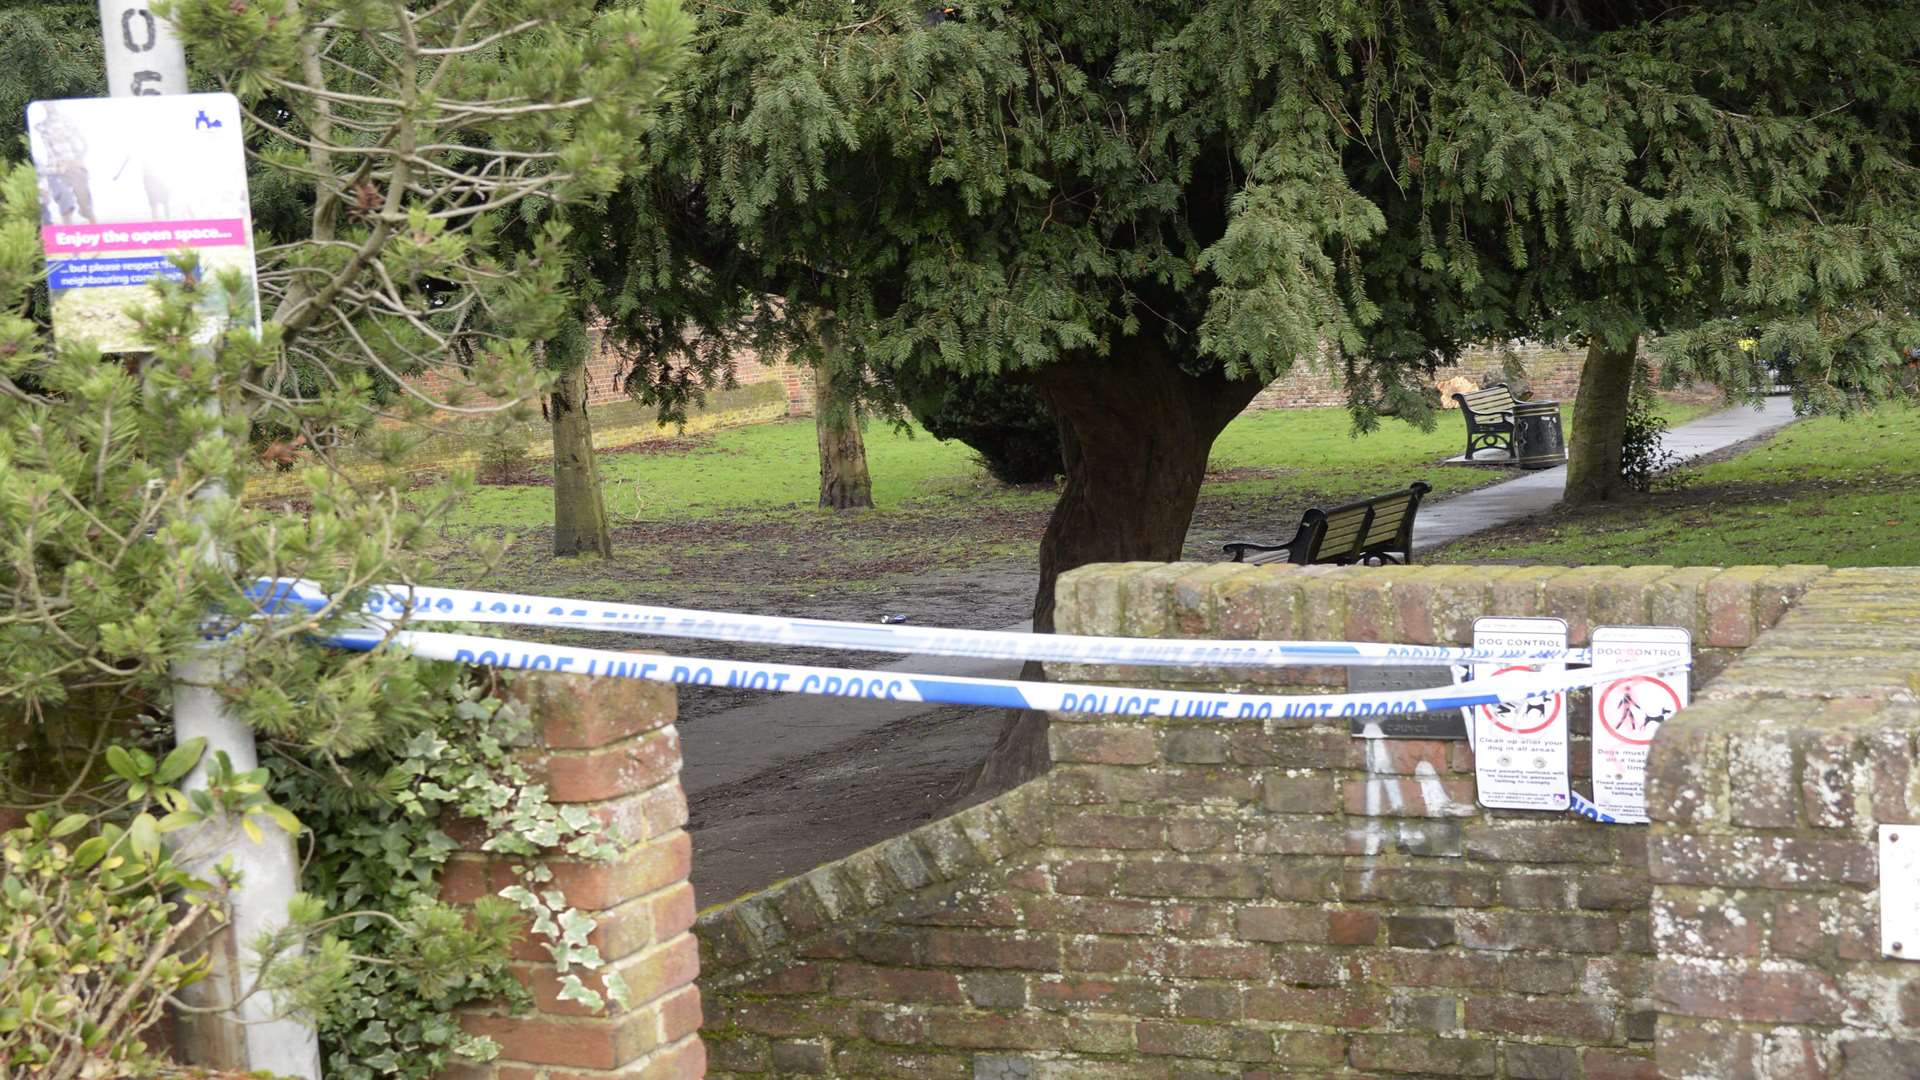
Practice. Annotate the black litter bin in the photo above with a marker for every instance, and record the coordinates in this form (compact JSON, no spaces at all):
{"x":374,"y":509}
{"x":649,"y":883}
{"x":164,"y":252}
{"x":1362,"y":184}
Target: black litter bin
{"x":1537,"y":441}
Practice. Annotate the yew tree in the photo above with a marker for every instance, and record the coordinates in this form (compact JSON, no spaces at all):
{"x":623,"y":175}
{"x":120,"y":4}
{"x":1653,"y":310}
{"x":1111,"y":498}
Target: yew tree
{"x":1146,"y":211}
{"x":1734,"y":184}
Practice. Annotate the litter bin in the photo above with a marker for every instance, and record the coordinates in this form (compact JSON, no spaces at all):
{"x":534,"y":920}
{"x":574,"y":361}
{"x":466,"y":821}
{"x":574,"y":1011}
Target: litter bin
{"x":1537,"y":441}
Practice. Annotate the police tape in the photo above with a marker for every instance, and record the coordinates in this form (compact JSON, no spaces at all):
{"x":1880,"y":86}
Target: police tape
{"x":391,"y":604}
{"x":1585,"y":808}
{"x":962,"y":690}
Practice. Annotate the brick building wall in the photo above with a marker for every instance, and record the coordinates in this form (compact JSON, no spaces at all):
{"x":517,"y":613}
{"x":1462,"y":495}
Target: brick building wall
{"x":1219,"y":898}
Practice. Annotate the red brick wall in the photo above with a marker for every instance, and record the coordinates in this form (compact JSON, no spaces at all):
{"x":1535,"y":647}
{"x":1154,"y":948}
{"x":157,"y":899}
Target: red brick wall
{"x":606,"y":370}
{"x":1238,"y":898}
{"x":608,"y":745}
{"x":1552,"y":373}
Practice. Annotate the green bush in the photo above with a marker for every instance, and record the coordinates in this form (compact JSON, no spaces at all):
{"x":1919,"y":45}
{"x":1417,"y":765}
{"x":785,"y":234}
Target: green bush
{"x":1642,"y":459}
{"x":93,"y":933}
{"x":1006,"y":423}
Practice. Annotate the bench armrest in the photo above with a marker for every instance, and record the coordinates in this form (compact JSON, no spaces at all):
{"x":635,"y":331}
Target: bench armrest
{"x":1240,"y":548}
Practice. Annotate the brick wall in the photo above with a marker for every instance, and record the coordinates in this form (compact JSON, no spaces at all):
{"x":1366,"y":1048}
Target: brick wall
{"x":606,"y":370}
{"x":1551,"y":372}
{"x":610,"y":746}
{"x":1767,"y":795}
{"x":1252,"y":899}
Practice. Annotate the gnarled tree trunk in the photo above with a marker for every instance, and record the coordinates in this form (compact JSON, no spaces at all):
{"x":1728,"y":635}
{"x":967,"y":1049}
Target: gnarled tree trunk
{"x":1600,"y":422}
{"x":1135,"y":433}
{"x":579,"y":511}
{"x":844,"y":482}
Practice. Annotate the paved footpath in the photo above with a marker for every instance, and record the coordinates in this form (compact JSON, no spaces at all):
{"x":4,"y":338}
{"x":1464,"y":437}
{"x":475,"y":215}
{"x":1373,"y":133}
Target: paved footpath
{"x":1448,"y":520}
{"x":740,"y":744}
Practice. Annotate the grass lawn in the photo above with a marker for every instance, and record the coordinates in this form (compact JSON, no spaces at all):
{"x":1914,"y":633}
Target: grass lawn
{"x":1834,"y":490}
{"x":727,"y":518}
{"x":773,"y":468}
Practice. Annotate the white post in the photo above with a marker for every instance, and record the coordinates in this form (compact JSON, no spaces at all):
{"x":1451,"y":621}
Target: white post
{"x":144,"y":57}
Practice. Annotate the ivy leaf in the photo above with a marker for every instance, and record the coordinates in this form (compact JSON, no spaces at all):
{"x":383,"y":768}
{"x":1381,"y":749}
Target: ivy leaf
{"x":572,"y":989}
{"x":617,"y":991}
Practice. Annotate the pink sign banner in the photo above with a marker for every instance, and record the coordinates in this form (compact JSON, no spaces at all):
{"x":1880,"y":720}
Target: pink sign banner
{"x":144,"y":236}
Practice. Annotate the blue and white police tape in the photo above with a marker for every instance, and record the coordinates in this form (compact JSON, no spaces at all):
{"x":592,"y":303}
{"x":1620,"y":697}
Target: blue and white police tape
{"x":1584,"y":807}
{"x":386,"y":605}
{"x":994,"y":693}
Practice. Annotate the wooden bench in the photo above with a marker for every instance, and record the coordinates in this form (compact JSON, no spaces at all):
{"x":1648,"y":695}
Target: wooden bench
{"x":1379,"y":529}
{"x":1489,"y":415}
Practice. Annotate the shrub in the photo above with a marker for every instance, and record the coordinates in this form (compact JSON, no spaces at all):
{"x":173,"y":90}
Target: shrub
{"x":504,"y":452}
{"x":1642,"y":459}
{"x":1006,"y":423}
{"x":92,"y":929}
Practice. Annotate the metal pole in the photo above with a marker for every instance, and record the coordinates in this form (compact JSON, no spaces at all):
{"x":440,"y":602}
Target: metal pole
{"x":144,"y":57}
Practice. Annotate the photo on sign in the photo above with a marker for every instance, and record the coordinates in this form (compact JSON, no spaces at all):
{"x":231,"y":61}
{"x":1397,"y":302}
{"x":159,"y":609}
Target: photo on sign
{"x":125,"y":185}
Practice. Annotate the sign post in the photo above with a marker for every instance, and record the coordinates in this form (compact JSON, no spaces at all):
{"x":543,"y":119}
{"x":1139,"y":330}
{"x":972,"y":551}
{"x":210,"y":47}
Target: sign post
{"x":1627,"y":713}
{"x":1520,"y":748}
{"x":144,"y":59}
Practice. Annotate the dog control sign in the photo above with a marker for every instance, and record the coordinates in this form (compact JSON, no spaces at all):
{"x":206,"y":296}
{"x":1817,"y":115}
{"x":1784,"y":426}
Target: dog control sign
{"x":1627,"y":713}
{"x":1520,"y":747}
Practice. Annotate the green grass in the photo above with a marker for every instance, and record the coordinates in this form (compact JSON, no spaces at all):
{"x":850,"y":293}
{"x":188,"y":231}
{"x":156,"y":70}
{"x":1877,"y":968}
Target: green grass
{"x":760,"y":467}
{"x":1834,"y":490}
{"x":774,"y":467}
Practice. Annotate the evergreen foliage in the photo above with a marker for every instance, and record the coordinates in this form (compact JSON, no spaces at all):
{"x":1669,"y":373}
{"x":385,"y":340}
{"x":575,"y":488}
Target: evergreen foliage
{"x":1005,"y":422}
{"x":1197,"y":196}
{"x":393,"y":145}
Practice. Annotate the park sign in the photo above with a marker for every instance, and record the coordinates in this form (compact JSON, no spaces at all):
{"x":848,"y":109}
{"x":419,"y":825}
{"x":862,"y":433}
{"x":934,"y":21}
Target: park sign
{"x":126,"y":185}
{"x":1627,"y":713}
{"x":1520,"y":747}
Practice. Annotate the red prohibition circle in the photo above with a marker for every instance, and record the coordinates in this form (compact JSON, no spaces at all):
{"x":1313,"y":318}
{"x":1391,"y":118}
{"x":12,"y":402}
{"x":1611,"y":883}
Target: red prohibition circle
{"x":1558,"y":701}
{"x":1612,"y":723}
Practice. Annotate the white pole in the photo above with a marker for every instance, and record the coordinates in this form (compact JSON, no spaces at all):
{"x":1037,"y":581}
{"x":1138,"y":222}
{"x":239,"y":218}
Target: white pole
{"x":144,"y":57}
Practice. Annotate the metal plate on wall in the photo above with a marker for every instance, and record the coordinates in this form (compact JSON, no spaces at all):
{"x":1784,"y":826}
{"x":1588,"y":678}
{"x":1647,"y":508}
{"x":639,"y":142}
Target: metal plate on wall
{"x":1900,"y":891}
{"x":1444,"y":724}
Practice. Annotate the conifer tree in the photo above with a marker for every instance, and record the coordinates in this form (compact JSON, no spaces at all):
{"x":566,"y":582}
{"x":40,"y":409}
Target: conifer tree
{"x":1149,"y":210}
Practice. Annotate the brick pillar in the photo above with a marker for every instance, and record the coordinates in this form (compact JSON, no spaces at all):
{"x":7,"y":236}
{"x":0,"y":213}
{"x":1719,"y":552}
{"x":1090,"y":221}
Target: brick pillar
{"x":609,"y":745}
{"x":1767,"y":797}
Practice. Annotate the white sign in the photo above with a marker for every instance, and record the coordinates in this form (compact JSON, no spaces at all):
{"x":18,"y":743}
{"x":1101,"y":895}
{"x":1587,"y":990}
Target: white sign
{"x":1520,"y":748}
{"x":1627,"y":713}
{"x":128,"y":183}
{"x":1900,"y":891}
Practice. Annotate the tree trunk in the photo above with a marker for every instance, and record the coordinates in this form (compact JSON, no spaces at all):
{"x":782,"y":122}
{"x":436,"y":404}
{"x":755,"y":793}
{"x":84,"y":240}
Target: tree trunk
{"x":844,"y":483}
{"x":1135,"y":432}
{"x":1600,"y":422}
{"x":579,"y":511}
